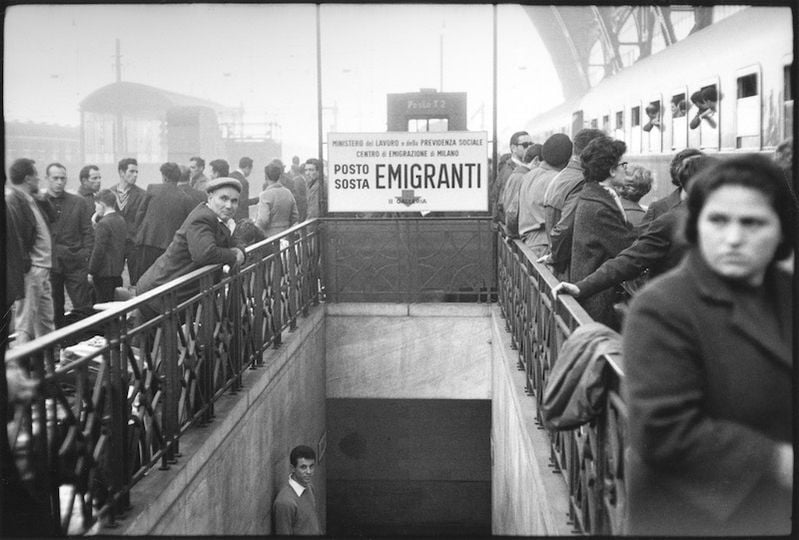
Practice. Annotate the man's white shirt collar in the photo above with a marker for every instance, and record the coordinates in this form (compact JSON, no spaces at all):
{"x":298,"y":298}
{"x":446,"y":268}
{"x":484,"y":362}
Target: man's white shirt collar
{"x":296,"y":486}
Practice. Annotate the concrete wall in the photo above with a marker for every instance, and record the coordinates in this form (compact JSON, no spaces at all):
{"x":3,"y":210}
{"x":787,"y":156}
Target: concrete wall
{"x":527,"y":498}
{"x":231,"y":469}
{"x":414,"y":351}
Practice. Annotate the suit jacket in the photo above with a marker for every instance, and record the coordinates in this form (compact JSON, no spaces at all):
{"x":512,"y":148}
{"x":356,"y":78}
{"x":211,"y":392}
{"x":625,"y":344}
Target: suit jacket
{"x":708,"y":389}
{"x":19,"y":239}
{"x":600,"y":233}
{"x":560,"y":202}
{"x":135,"y":198}
{"x":277,"y":210}
{"x":108,"y":256}
{"x":161,"y":213}
{"x":72,"y":233}
{"x":660,"y":207}
{"x":301,"y":196}
{"x":202,"y":239}
{"x":660,"y":248}
{"x":243,"y":211}
{"x":196,"y":196}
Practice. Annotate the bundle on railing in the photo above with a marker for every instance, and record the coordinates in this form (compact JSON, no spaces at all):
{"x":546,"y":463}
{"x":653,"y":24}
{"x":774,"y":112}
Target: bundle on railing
{"x":590,"y":457}
{"x":111,"y":407}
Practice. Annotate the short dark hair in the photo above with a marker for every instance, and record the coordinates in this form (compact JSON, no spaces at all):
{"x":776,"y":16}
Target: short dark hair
{"x":200,"y":161}
{"x":107,"y":197}
{"x":693,"y":165}
{"x":533,"y":151}
{"x":185,"y":174}
{"x":220,"y":167}
{"x":514,"y":139}
{"x":53,"y":164}
{"x":676,"y":161}
{"x":273,"y":171}
{"x":305,"y":452}
{"x":124,"y":163}
{"x":583,"y":137}
{"x":171,"y":172}
{"x":600,"y":156}
{"x":752,"y":171}
{"x":86,"y":170}
{"x":20,"y":169}
{"x":245,"y":162}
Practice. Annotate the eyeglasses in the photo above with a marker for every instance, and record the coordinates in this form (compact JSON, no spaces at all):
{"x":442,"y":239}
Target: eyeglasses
{"x":525,"y":144}
{"x":623,"y":165}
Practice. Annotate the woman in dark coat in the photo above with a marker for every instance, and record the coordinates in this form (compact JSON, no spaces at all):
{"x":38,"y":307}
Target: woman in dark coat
{"x":601,"y":229}
{"x":707,"y":354}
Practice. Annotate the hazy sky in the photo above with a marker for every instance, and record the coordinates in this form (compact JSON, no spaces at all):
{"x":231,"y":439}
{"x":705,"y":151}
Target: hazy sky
{"x":263,"y":58}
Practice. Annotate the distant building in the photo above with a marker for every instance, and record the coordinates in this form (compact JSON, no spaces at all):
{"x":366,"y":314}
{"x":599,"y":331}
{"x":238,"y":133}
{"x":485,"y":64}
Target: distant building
{"x":43,"y":143}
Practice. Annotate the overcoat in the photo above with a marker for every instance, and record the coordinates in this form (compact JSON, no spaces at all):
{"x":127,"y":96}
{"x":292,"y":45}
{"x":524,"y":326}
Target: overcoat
{"x":108,"y":257}
{"x":135,"y":198}
{"x":600,"y":233}
{"x":161,"y":213}
{"x":660,"y":207}
{"x":201,"y":239}
{"x":708,"y":389}
{"x":243,"y":211}
{"x":72,"y":233}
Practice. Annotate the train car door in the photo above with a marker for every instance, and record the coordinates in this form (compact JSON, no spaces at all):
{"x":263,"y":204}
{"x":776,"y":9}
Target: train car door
{"x":653,"y":126}
{"x":618,"y":125}
{"x":748,"y":107}
{"x":679,"y":118}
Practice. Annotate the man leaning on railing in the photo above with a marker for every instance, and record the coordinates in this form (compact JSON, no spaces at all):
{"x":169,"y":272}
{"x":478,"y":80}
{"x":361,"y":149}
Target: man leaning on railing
{"x":205,"y":237}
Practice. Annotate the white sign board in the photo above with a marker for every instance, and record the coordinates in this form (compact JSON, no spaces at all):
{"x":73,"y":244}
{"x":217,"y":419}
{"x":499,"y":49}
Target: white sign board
{"x":407,"y":172}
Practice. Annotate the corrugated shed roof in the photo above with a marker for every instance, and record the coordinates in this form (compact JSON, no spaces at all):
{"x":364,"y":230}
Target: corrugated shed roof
{"x":136,"y":97}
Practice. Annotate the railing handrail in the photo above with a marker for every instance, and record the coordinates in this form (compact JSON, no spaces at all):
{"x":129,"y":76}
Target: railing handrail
{"x":590,"y":457}
{"x":59,"y":334}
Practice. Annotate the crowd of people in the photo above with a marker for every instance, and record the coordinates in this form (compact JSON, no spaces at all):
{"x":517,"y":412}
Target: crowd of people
{"x":80,"y":243}
{"x":706,"y":341}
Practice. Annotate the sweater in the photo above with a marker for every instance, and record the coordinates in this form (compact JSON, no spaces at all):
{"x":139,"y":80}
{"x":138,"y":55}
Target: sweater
{"x":295,"y":514}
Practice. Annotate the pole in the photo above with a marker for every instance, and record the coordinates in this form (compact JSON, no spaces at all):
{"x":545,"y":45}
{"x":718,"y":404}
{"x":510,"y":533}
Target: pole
{"x":496,"y":101}
{"x":322,"y":194}
{"x":441,"y":62}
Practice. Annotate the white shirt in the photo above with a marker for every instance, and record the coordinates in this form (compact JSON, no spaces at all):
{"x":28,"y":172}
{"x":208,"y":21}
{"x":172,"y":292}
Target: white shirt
{"x":296,"y":486}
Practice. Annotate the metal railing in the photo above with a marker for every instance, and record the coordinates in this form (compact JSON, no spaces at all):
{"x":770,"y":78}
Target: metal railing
{"x":410,"y":259}
{"x":106,"y":415}
{"x":590,"y":457}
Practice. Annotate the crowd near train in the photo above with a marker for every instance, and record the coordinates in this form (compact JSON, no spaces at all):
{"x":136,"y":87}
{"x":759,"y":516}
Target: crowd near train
{"x":695,"y":273}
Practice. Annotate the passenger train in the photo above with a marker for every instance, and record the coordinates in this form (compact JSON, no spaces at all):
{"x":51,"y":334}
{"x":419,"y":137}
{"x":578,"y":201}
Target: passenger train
{"x":725,"y":89}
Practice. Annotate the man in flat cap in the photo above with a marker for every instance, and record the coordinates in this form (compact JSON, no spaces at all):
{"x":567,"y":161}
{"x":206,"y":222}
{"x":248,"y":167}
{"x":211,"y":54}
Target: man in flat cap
{"x":203,"y":238}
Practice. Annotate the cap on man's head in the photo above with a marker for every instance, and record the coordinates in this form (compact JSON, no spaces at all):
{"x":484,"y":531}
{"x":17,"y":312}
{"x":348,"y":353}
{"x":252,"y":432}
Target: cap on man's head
{"x":557,"y":150}
{"x":224,"y":181}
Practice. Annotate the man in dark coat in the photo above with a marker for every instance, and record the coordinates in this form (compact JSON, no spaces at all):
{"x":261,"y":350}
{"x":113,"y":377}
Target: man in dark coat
{"x":129,"y":198}
{"x":203,"y":238}
{"x":73,"y":240}
{"x":661,"y":206}
{"x":197,"y":197}
{"x":241,"y":174}
{"x":163,"y":210}
{"x":108,"y":256}
{"x":90,"y":179}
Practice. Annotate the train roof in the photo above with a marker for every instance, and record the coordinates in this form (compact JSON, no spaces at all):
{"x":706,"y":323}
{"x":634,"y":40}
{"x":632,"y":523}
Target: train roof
{"x":131,"y":97}
{"x":741,"y":40}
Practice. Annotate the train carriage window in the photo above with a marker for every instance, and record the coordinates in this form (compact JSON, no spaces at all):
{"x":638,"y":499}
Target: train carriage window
{"x":606,"y":123}
{"x":747,"y":112}
{"x":594,"y":123}
{"x":787,"y":110}
{"x":652,"y":128}
{"x":679,"y":121}
{"x":705,"y":102}
{"x":577,"y":121}
{"x":635,"y":116}
{"x":618,"y":130}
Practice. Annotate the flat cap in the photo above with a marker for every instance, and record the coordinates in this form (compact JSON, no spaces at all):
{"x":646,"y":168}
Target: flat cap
{"x":224,"y":181}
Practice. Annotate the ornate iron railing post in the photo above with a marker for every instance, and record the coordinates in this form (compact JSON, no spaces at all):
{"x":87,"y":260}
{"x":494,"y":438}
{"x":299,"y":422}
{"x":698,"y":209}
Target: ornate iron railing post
{"x":258,"y":312}
{"x":170,"y":378}
{"x":116,"y":418}
{"x":292,"y":283}
{"x":207,"y":349}
{"x":236,"y":350}
{"x":277,"y":298}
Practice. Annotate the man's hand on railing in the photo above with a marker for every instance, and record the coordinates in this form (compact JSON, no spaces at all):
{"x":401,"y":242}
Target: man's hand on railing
{"x":565,"y":288}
